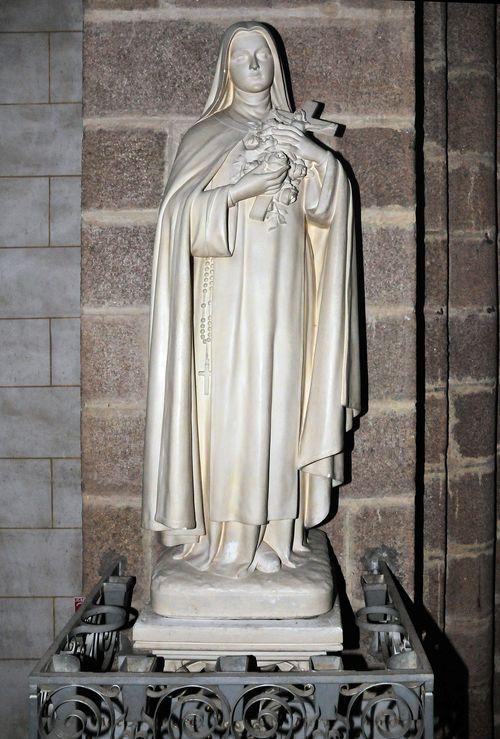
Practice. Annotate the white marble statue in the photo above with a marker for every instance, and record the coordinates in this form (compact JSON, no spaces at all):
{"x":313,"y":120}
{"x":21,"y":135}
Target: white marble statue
{"x":253,"y":365}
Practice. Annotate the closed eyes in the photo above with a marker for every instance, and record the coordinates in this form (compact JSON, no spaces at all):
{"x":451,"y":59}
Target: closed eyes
{"x":244,"y":56}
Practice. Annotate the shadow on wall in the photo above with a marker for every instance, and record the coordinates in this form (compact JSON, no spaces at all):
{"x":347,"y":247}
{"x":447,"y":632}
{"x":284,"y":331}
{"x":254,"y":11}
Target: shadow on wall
{"x":451,"y":707}
{"x":451,"y":676}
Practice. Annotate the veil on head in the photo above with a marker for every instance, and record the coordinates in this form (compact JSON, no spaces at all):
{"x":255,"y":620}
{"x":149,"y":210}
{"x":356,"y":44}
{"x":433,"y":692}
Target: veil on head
{"x":221,"y":93}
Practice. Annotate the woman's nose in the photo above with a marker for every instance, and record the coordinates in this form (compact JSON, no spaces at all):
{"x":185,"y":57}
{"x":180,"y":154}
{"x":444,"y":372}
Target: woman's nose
{"x":254,"y":62}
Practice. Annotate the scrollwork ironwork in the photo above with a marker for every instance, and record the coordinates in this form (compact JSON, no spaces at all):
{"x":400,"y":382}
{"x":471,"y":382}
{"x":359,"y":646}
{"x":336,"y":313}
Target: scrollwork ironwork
{"x":392,"y":710}
{"x":133,"y":698}
{"x":194,"y":712}
{"x":274,"y":712}
{"x":74,"y":711}
{"x":95,"y":639}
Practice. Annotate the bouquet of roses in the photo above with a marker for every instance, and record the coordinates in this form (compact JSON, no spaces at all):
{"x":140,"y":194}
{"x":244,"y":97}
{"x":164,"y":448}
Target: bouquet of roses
{"x":261,"y":154}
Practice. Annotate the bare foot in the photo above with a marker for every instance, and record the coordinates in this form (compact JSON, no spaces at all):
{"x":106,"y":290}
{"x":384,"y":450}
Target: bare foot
{"x":288,"y":562}
{"x":182,"y":551}
{"x":266,"y":559}
{"x":302,"y":548}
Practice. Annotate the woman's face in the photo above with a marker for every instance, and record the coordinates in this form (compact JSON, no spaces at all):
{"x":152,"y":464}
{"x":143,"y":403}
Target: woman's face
{"x":251,"y":62}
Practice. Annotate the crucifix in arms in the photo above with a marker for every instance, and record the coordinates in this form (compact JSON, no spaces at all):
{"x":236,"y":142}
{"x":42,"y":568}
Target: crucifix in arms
{"x":304,"y":119}
{"x":267,"y":154}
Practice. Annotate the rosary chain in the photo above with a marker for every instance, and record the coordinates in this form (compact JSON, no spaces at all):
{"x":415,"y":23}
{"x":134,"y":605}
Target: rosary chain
{"x":206,"y":306}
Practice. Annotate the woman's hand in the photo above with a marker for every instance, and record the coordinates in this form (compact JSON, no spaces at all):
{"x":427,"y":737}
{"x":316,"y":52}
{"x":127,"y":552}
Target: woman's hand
{"x":258,"y":183}
{"x":294,"y":141}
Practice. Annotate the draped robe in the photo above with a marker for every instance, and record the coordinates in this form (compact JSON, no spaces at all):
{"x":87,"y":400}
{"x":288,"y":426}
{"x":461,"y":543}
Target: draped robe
{"x":266,"y":442}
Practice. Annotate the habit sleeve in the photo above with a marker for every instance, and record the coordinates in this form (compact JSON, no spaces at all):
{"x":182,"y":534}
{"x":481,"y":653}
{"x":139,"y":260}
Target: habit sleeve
{"x":332,"y":394}
{"x":212,"y":224}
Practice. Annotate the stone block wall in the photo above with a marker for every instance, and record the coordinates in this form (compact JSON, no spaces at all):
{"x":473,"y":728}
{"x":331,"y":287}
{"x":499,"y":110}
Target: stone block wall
{"x":472,"y":331}
{"x":40,"y":165}
{"x":460,"y":360}
{"x":147,"y":71}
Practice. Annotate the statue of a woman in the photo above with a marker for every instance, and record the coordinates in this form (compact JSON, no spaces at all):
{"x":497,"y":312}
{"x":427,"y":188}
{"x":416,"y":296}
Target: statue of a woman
{"x":254,"y":372}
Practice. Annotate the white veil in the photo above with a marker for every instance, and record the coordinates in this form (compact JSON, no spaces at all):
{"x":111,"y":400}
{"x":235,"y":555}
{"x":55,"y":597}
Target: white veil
{"x":221,"y":92}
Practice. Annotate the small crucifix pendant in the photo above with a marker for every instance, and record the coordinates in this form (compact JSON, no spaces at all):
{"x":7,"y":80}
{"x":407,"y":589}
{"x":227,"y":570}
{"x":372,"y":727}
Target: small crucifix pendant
{"x":205,"y":373}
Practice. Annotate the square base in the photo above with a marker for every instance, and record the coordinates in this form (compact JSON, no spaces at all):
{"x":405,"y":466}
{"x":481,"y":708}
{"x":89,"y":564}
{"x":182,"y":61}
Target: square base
{"x":178,"y":590}
{"x":268,"y":640}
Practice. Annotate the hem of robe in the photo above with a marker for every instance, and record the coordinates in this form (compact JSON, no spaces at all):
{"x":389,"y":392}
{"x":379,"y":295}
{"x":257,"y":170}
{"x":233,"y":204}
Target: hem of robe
{"x":181,"y":530}
{"x":324,"y":455}
{"x":200,"y":531}
{"x":188,"y":536}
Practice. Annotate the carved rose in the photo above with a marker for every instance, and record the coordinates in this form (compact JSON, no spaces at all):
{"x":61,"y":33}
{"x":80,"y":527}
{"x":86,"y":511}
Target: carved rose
{"x":252,"y":141}
{"x":277,"y":157}
{"x":298,"y":170}
{"x":262,"y":154}
{"x":287,"y":195}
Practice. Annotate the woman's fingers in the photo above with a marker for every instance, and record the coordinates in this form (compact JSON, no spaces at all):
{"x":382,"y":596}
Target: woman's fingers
{"x":288,"y":141}
{"x":283,"y":127}
{"x":276,"y":175}
{"x":276,"y":180}
{"x":287,"y":146}
{"x":288,"y":136}
{"x":277,"y":171}
{"x":279,"y":132}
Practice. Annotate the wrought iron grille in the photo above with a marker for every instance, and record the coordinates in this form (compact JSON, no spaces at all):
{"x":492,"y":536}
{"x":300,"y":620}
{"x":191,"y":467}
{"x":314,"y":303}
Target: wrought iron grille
{"x":90,"y":683}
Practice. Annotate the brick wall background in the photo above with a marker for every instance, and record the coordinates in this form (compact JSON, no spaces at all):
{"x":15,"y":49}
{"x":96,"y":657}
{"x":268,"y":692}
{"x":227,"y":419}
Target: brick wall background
{"x":40,"y":498}
{"x":472,"y":331}
{"x":459,"y":382}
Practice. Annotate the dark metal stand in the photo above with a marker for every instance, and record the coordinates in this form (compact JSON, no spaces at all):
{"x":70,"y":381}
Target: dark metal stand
{"x":90,"y":683}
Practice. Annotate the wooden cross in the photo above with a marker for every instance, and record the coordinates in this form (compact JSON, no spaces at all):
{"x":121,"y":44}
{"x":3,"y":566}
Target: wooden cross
{"x":205,"y":373}
{"x":305,"y":119}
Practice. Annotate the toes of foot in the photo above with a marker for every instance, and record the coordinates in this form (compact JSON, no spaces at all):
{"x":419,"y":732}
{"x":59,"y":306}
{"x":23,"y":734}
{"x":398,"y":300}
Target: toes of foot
{"x":268,"y":561}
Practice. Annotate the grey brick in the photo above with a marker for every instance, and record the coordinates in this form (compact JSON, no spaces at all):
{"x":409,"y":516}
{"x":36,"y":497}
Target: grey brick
{"x":112,"y":451}
{"x":65,"y":67}
{"x":383,"y":458}
{"x":40,"y":562}
{"x":25,"y":499}
{"x":41,"y":422}
{"x":24,"y":357}
{"x":114,"y":357}
{"x":24,"y":68}
{"x":40,"y":139}
{"x":116,"y":265}
{"x":27,"y":627}
{"x":14,"y":697}
{"x":65,"y":334}
{"x":40,"y":282}
{"x":41,"y":15}
{"x":391,"y":357}
{"x":123,"y":168}
{"x":65,"y":210}
{"x":166,"y":65}
{"x":67,"y":492}
{"x":24,"y":211}
{"x":472,"y":198}
{"x":64,"y":608}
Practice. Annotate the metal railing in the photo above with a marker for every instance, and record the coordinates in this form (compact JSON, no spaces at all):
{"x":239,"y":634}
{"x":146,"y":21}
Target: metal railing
{"x":91,"y":683}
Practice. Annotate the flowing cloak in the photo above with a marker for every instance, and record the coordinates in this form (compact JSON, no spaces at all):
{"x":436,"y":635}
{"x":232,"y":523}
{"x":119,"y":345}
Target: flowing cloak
{"x":195,"y":221}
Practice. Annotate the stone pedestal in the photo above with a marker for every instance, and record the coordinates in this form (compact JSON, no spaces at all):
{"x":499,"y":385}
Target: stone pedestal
{"x":206,"y":617}
{"x":268,"y":640}
{"x":178,"y":590}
